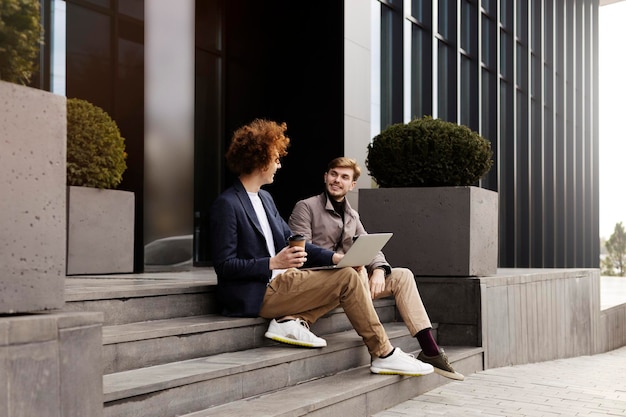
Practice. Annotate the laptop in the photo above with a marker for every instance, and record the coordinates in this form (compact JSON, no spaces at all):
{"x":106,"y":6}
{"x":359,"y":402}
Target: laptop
{"x":362,"y":251}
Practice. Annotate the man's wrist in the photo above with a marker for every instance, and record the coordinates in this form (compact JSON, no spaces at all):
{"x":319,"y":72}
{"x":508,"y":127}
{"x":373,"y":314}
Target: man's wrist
{"x":386,"y":269}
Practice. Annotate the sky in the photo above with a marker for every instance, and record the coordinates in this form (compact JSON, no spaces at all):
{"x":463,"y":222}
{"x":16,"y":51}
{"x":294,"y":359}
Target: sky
{"x":612,"y":109}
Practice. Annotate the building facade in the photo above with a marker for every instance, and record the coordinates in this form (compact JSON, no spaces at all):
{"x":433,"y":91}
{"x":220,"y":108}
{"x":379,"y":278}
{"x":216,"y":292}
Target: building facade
{"x":179,"y":77}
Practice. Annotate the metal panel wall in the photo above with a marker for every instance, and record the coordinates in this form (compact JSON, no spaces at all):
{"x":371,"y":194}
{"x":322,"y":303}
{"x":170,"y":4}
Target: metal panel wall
{"x":536,"y":71}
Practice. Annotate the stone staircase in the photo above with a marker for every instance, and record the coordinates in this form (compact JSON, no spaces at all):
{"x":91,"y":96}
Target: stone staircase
{"x":167,"y":353}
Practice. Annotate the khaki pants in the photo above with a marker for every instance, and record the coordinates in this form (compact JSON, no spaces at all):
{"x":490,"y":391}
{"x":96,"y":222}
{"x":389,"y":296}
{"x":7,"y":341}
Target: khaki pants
{"x":311,"y":294}
{"x":401,"y":285}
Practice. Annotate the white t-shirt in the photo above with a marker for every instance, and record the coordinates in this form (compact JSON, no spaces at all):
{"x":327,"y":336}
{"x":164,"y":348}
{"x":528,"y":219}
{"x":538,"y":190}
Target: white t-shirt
{"x":265,"y":227}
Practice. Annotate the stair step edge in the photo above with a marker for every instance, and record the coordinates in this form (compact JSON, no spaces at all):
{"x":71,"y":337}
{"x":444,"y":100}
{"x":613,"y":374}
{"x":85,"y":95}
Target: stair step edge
{"x":152,"y":329}
{"x":174,"y":326}
{"x":140,"y":381}
{"x":316,"y":394}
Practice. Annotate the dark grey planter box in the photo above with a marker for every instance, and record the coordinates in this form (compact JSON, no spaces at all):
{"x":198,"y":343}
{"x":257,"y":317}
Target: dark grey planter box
{"x":100,"y":233}
{"x":438,"y":231}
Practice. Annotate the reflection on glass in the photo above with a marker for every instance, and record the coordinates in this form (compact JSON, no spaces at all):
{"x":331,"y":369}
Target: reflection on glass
{"x":443,"y":82}
{"x":89,"y":56}
{"x":103,"y":3}
{"x":132,"y":8}
{"x":57,"y":64}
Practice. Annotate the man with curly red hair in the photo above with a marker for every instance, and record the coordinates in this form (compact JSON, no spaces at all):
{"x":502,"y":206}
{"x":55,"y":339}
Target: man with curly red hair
{"x":258,"y":272}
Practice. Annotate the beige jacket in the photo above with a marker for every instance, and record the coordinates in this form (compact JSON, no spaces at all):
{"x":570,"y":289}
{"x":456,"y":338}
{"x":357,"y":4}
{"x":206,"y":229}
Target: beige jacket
{"x":318,"y":221}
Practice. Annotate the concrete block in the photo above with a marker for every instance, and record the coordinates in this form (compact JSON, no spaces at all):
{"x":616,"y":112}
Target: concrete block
{"x":101,"y":231}
{"x":17,"y":330}
{"x":32,"y":207}
{"x":33,"y":379}
{"x":80,"y":356}
{"x":4,"y":381}
{"x":438,"y":231}
{"x":50,"y":365}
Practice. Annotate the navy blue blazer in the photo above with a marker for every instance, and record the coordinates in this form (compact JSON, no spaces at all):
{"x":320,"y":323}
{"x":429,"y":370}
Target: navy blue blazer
{"x":239,"y":251}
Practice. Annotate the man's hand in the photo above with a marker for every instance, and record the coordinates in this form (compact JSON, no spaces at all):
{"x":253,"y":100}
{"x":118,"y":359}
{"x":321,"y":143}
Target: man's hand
{"x":377,"y":282}
{"x":289,"y":257}
{"x":337,"y":257}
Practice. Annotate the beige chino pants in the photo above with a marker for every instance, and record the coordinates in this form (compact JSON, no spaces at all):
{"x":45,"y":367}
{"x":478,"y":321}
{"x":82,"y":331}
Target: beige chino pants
{"x":401,"y":285}
{"x":309,"y":295}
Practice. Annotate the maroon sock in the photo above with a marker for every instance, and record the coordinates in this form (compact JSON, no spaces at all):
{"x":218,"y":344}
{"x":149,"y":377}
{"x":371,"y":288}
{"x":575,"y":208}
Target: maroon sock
{"x":427,"y":342}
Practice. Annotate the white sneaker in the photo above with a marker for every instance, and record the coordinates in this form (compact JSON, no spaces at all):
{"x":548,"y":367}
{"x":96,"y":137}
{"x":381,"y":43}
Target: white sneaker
{"x":294,"y":332}
{"x":400,"y":363}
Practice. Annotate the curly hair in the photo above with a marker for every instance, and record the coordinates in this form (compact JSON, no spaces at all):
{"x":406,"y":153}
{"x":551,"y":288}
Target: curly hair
{"x":255,"y":145}
{"x":345,"y":162}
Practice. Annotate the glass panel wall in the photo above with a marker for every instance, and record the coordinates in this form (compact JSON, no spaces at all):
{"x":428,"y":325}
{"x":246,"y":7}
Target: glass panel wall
{"x":518,"y":72}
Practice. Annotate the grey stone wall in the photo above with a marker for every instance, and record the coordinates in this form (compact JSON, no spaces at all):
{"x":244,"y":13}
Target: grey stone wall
{"x":51,"y":365}
{"x":520,"y":315}
{"x":32,"y":207}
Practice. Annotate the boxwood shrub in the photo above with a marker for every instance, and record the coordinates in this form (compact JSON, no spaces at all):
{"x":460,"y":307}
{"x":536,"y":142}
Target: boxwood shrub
{"x":428,"y":152}
{"x":96,"y":154}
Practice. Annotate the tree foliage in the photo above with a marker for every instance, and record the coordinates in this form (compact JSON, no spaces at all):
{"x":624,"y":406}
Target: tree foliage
{"x":21,"y":35}
{"x":615,"y":261}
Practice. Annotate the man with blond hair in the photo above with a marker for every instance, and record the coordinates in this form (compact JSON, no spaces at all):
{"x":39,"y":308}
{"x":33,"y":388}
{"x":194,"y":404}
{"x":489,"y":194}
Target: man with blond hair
{"x":328,"y":220}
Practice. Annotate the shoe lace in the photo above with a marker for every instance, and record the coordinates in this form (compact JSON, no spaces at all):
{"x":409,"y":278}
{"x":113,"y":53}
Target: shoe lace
{"x":444,"y":357}
{"x":303,"y":323}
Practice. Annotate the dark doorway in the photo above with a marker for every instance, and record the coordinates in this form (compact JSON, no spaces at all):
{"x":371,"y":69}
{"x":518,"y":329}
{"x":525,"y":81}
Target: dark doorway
{"x":281,"y":60}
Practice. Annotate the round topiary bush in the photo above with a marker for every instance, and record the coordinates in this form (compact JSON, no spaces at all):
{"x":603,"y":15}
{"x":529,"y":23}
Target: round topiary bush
{"x":21,"y":35}
{"x":96,"y":154}
{"x":428,"y":152}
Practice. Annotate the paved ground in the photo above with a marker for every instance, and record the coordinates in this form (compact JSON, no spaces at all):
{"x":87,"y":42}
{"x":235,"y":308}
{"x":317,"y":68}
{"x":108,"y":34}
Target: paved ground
{"x":588,"y":386}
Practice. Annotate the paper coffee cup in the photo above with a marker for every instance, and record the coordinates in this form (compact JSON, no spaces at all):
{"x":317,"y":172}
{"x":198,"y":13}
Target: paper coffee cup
{"x":297,"y":240}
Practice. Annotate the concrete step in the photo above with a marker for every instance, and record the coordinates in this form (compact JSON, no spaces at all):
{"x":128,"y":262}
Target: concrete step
{"x":186,"y":386}
{"x":167,"y":352}
{"x":124,"y":300}
{"x":137,"y":345}
{"x":355,"y":392}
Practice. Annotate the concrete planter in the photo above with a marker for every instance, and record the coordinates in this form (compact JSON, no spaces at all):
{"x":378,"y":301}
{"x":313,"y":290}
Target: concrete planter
{"x":100,"y":233}
{"x":438,"y":231}
{"x":32,"y":206}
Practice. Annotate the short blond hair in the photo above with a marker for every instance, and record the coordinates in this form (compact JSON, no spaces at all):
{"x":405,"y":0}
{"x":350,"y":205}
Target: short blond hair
{"x":345,"y":162}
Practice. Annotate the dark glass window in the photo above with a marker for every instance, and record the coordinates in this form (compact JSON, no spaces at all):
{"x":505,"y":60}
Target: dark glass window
{"x":391,"y":85}
{"x":446,"y":91}
{"x":506,"y":55}
{"x":102,"y":3}
{"x":209,"y":19}
{"x":105,"y":65}
{"x":466,"y":94}
{"x":420,"y":10}
{"x":132,"y":8}
{"x":488,"y":6}
{"x":447,"y":18}
{"x":506,"y":14}
{"x":487,"y":41}
{"x":421,"y":73}
{"x":469,"y":33}
{"x":488,"y":105}
{"x":521,"y":20}
{"x":88,"y":56}
{"x":521,"y":72}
